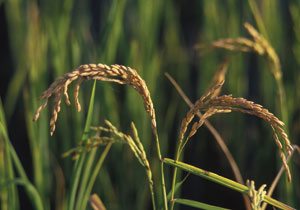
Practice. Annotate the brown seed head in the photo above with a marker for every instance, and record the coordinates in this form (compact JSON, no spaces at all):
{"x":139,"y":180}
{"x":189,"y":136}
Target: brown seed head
{"x":114,"y":73}
{"x":225,"y":104}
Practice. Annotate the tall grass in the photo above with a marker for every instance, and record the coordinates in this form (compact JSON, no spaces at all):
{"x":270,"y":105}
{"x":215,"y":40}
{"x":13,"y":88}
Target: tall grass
{"x":50,"y":38}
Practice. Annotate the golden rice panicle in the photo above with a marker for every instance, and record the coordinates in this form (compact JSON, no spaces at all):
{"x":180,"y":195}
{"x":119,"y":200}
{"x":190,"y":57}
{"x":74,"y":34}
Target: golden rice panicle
{"x":227,"y":102}
{"x":114,"y":73}
{"x":211,"y":105}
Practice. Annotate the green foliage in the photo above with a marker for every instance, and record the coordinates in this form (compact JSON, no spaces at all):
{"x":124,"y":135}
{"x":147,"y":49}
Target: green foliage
{"x":50,"y":38}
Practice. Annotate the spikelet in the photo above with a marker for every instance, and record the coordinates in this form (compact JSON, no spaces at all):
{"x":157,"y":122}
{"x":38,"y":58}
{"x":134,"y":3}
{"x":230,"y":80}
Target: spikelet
{"x":219,"y":75}
{"x":256,"y":197}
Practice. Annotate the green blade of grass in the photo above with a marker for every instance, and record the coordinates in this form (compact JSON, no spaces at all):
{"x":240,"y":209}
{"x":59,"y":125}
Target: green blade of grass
{"x":90,"y":113}
{"x":85,"y":177}
{"x":39,"y":149}
{"x":75,"y":180}
{"x":197,"y":204}
{"x":177,"y":186}
{"x":79,"y":162}
{"x":18,"y":165}
{"x":13,"y":153}
{"x":222,"y":181}
{"x":94,"y":176}
{"x":9,"y":198}
{"x":31,"y":191}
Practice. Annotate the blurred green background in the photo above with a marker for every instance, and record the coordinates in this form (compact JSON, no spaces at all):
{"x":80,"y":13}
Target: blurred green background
{"x":41,"y":40}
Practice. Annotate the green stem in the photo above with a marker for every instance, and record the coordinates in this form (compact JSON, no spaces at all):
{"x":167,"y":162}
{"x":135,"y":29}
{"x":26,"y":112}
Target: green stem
{"x":75,"y":180}
{"x":258,"y":18}
{"x":163,"y":184}
{"x":179,"y":150}
{"x":173,"y":189}
{"x":85,"y":177}
{"x":222,"y":181}
{"x":94,"y":176}
{"x":283,"y":108}
{"x":152,"y":195}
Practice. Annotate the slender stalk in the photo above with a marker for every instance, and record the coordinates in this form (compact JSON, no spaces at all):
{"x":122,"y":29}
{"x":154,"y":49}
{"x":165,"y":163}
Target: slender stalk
{"x":178,"y":153}
{"x":173,"y":189}
{"x":258,"y":18}
{"x":85,"y":178}
{"x":152,"y":196}
{"x":179,"y":150}
{"x":75,"y":180}
{"x":283,"y":107}
{"x":163,"y":184}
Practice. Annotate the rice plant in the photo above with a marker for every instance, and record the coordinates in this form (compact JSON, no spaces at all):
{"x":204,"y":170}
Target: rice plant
{"x":130,"y":138}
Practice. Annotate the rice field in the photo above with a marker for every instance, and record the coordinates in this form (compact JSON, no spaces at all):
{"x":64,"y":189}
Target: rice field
{"x":149,"y":104}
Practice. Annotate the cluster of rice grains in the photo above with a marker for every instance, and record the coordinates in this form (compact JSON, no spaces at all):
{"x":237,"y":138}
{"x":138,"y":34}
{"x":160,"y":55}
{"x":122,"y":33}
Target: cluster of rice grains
{"x":258,"y":45}
{"x":212,"y":104}
{"x":114,"y":73}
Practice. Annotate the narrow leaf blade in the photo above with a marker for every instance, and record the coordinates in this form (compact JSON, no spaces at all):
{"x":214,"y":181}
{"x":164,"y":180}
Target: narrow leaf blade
{"x":222,"y":181}
{"x":197,"y":204}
